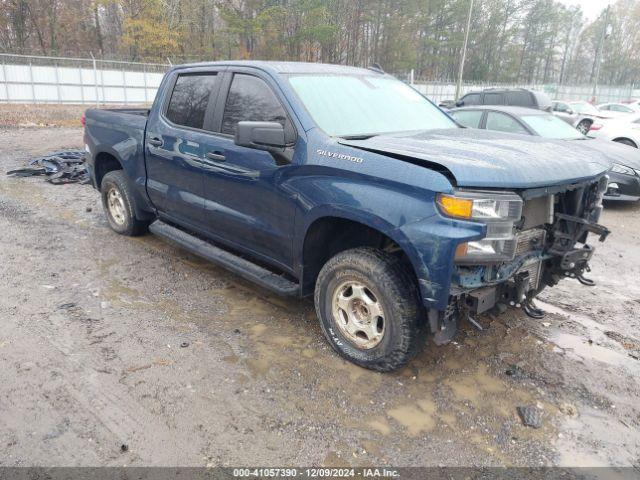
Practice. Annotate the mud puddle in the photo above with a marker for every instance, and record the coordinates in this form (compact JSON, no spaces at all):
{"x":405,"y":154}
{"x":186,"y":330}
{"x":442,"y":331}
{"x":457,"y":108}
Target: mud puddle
{"x":595,"y":343}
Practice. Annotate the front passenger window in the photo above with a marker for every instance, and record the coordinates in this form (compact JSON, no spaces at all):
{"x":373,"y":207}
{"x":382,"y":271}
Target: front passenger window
{"x":251,"y":99}
{"x":470,"y":99}
{"x":468,"y":118}
{"x":560,"y":107}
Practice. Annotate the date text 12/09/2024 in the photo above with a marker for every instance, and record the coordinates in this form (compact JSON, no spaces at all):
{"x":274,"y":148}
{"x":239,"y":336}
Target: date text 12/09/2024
{"x":316,"y":472}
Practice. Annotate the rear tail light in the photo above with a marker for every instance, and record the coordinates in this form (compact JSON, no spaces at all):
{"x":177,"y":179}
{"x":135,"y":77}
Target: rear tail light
{"x":83,"y":120}
{"x":595,"y":126}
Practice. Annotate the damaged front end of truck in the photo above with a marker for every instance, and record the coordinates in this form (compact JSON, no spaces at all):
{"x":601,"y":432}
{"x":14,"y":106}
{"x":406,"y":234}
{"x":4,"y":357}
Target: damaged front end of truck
{"x":534,"y":238}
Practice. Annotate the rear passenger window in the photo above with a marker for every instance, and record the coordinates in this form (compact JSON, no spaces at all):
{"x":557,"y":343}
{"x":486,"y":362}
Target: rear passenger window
{"x":189,"y":99}
{"x":251,"y":99}
{"x":493,"y":99}
{"x":468,"y":118}
{"x":503,"y":123}
{"x":519,"y":99}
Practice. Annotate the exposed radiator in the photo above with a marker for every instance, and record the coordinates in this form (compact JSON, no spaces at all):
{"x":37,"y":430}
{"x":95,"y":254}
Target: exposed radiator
{"x":527,"y":241}
{"x":530,"y":240}
{"x":534,"y":270}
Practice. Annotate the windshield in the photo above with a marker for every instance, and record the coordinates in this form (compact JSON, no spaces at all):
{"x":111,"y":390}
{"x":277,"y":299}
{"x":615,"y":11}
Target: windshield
{"x":548,"y":126}
{"x":584,"y":107}
{"x":360,"y":105}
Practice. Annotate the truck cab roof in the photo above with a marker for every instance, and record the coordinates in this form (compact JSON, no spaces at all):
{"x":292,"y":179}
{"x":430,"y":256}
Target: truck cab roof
{"x":287,"y":67}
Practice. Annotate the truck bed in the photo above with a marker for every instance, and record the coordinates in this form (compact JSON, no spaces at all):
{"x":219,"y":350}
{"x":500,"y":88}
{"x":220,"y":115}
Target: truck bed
{"x":130,"y":119}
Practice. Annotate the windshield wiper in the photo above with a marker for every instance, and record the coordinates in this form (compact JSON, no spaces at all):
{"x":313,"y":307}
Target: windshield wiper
{"x":364,"y":136}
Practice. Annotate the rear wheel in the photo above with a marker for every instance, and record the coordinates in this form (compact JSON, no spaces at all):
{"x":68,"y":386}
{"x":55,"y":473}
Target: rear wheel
{"x":626,"y":141}
{"x":117,"y":200}
{"x":369,"y":308}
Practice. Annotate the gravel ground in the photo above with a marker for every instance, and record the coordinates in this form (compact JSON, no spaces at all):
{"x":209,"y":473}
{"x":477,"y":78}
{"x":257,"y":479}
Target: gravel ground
{"x":46,"y":115}
{"x":109,"y":341}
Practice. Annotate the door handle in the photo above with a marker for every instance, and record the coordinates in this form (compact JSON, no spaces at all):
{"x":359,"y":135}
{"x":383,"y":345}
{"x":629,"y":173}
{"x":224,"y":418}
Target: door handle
{"x":217,"y":156}
{"x":155,"y":141}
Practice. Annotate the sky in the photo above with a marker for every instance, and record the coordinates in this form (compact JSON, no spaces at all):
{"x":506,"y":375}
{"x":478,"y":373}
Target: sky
{"x":591,"y":8}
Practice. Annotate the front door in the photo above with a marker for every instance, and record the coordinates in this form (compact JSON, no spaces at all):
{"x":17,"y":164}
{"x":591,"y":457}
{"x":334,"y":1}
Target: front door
{"x":244,"y":202}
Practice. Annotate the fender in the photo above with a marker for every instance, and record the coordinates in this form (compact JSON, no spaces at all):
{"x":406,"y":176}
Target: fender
{"x":125,"y":143}
{"x":409,"y":218}
{"x":380,"y":206}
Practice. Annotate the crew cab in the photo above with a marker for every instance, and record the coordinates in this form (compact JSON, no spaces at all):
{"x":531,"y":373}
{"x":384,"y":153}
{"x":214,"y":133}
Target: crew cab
{"x":346,"y":184}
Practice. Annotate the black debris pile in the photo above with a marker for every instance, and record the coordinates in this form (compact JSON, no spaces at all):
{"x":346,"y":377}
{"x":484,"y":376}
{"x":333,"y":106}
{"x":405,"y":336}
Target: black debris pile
{"x":59,"y":167}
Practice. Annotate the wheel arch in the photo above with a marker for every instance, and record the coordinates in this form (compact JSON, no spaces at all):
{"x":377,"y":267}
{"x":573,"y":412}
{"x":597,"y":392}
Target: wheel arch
{"x":620,"y":140}
{"x":340,"y":231}
{"x":104,"y":163}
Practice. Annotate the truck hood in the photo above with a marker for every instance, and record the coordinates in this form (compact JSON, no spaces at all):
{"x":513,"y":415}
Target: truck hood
{"x":616,"y":152}
{"x":482,"y":158}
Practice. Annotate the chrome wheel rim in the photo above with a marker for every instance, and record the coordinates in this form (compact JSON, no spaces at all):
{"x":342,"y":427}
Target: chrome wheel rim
{"x":359,"y":314}
{"x":583,"y":128}
{"x":115,"y":204}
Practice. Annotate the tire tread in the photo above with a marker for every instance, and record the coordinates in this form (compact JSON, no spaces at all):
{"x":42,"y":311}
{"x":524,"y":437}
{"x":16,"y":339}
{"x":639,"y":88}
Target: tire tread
{"x":134,"y":227}
{"x":387,"y":270}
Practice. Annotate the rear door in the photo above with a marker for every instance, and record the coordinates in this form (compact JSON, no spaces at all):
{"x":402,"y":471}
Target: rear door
{"x":520,"y":98}
{"x":244,"y":204}
{"x":493,"y":98}
{"x":177,"y":139}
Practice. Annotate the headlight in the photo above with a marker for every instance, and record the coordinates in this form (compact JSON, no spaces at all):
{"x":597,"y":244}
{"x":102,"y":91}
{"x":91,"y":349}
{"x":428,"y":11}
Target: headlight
{"x":618,"y":168}
{"x":499,"y":211}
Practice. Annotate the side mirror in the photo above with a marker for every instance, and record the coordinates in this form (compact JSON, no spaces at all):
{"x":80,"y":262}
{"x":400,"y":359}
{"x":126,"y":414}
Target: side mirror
{"x":267,"y":136}
{"x":460,"y":103}
{"x":568,"y":111}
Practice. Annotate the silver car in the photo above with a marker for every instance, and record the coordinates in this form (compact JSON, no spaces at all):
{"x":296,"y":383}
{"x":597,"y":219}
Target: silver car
{"x":580,"y":115}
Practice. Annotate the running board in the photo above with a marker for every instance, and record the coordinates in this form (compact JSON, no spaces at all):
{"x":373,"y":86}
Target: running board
{"x":240,"y":266}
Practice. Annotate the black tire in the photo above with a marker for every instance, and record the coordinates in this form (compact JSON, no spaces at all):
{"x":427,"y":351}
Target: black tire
{"x":584,"y":126}
{"x":124,"y":221}
{"x":389,"y":283}
{"x":626,"y":141}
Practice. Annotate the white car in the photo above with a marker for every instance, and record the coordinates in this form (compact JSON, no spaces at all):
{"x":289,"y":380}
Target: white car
{"x":619,"y":109}
{"x":625,"y":130}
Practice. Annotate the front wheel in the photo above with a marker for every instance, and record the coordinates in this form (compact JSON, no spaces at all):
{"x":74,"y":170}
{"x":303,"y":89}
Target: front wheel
{"x":584,"y":126}
{"x":369,"y":308}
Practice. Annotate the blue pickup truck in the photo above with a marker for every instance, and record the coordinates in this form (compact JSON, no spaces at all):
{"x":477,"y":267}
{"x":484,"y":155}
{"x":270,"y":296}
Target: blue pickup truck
{"x":346,"y":184}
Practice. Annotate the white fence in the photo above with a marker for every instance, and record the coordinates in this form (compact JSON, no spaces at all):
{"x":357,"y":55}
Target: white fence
{"x":37,"y":79}
{"x":34,"y":79}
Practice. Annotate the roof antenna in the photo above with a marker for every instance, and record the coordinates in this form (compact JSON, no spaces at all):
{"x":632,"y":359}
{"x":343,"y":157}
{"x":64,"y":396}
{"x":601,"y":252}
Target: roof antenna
{"x":376,"y":68}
